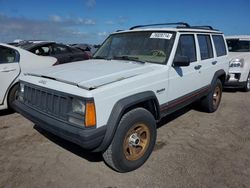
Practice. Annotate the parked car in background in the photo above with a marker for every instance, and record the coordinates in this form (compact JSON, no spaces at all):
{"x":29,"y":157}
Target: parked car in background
{"x":63,"y":53}
{"x":239,"y":53}
{"x":19,"y":42}
{"x":14,"y":62}
{"x":86,"y":47}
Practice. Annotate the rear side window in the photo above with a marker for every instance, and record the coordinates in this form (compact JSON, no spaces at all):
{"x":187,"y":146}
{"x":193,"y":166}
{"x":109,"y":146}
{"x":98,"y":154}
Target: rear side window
{"x":42,"y":50}
{"x":8,"y":55}
{"x":219,"y":44}
{"x":60,"y":49}
{"x":186,"y":47}
{"x":205,"y":45}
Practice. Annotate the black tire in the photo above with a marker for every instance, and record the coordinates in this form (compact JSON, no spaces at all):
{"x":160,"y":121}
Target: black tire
{"x":133,"y":142}
{"x":247,"y":85}
{"x":212,"y":101}
{"x":12,"y":96}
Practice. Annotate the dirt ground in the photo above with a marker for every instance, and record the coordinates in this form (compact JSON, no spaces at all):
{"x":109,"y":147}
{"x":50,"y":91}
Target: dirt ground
{"x":194,"y":149}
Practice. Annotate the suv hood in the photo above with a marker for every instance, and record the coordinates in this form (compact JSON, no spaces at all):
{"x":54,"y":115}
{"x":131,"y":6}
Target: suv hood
{"x":91,"y":74}
{"x":238,"y":55}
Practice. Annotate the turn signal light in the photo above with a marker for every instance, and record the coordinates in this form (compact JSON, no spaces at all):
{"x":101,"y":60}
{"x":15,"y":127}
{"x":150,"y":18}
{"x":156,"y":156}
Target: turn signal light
{"x":90,"y":115}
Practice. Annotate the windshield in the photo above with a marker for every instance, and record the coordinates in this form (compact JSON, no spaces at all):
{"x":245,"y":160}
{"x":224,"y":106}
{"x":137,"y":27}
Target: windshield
{"x":237,"y":45}
{"x":154,"y":47}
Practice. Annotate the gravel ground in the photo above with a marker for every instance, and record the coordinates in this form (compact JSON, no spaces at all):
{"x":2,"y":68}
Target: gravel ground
{"x":194,"y":149}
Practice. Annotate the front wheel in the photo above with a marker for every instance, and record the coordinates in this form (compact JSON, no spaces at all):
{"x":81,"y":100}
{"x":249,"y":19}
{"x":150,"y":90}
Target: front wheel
{"x":212,"y":101}
{"x":247,"y":85}
{"x":133,"y":142}
{"x":12,"y":96}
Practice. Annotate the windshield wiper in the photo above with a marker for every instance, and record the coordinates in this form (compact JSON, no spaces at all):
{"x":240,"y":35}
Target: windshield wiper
{"x":128,"y":58}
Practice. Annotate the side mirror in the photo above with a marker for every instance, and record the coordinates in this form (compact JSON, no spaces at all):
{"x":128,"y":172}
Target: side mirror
{"x":181,"y":61}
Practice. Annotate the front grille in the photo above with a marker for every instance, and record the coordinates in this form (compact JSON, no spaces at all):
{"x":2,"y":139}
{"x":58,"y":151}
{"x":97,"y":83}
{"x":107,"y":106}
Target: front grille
{"x":47,"y":101}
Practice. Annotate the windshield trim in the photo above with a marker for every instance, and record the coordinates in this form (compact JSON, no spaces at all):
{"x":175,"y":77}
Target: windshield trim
{"x":167,"y":48}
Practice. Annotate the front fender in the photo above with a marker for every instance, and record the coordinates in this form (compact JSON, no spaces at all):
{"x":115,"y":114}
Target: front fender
{"x":118,"y":111}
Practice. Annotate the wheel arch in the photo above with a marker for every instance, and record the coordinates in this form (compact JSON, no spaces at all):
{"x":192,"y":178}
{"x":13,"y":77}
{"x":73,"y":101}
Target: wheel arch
{"x":145,"y":100}
{"x":221,"y":75}
{"x":15,"y":83}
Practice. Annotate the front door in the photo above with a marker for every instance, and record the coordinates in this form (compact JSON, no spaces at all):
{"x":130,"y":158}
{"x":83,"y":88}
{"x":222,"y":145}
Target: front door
{"x":9,"y":69}
{"x":184,"y":81}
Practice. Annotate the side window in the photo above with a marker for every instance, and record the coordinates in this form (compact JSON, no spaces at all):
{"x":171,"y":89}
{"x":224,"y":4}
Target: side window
{"x":46,"y":50}
{"x":60,"y":49}
{"x":42,"y":50}
{"x":186,"y":47}
{"x":205,"y":45}
{"x":8,"y":55}
{"x":219,"y":44}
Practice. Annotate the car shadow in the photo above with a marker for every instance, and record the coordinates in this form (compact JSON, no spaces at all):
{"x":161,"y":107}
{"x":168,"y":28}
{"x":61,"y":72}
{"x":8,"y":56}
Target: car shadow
{"x":97,"y":157}
{"x":73,"y":148}
{"x":171,"y":117}
{"x":232,"y":90}
{"x":6,"y":112}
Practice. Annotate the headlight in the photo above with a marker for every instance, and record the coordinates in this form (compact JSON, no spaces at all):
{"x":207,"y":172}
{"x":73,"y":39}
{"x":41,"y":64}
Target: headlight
{"x":21,"y":87}
{"x":21,"y":92}
{"x":237,"y":63}
{"x":78,"y":106}
{"x":83,"y":112}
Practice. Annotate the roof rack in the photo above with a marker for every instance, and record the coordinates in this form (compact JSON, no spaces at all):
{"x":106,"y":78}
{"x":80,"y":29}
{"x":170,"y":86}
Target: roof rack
{"x":208,"y":27}
{"x":177,"y":23}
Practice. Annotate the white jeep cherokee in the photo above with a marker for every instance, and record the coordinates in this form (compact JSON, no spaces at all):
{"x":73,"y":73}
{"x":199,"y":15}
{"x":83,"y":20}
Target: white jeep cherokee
{"x":111,"y":104}
{"x":239,"y":55}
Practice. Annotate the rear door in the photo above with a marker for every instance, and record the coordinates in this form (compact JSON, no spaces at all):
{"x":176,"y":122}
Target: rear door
{"x":207,"y":57}
{"x":9,"y":69}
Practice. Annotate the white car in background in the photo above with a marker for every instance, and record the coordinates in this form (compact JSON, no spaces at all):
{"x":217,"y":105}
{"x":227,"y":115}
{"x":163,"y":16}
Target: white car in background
{"x":239,"y":54}
{"x":14,"y":62}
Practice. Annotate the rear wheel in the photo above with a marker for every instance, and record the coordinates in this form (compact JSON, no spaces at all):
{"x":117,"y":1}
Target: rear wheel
{"x":247,"y":85}
{"x":133,"y":142}
{"x":212,"y":101}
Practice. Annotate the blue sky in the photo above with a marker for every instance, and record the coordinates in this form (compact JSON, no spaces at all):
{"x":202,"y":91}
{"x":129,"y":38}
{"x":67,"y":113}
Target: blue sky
{"x":90,"y":21}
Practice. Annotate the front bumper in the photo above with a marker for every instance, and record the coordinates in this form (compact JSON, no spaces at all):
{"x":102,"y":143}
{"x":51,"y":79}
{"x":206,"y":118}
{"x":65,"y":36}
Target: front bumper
{"x":86,"y":138}
{"x":234,"y":84}
{"x":233,"y":81}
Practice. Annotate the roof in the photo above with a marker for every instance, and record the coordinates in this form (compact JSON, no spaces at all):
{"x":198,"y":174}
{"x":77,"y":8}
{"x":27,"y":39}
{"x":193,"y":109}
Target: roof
{"x":10,"y":46}
{"x":180,"y":27}
{"x":247,"y":37}
{"x":171,"y":29}
{"x":20,"y":50}
{"x":31,"y":45}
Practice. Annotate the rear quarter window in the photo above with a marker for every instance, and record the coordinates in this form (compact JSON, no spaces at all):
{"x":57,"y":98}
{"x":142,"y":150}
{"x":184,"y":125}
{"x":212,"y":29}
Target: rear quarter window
{"x":219,"y":44}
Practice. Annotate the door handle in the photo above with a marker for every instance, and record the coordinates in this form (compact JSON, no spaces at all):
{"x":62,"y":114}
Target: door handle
{"x":197,"y":67}
{"x":214,"y":62}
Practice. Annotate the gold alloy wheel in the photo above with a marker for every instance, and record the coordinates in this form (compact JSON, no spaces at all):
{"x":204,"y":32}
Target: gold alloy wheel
{"x":136,"y":142}
{"x":216,"y":97}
